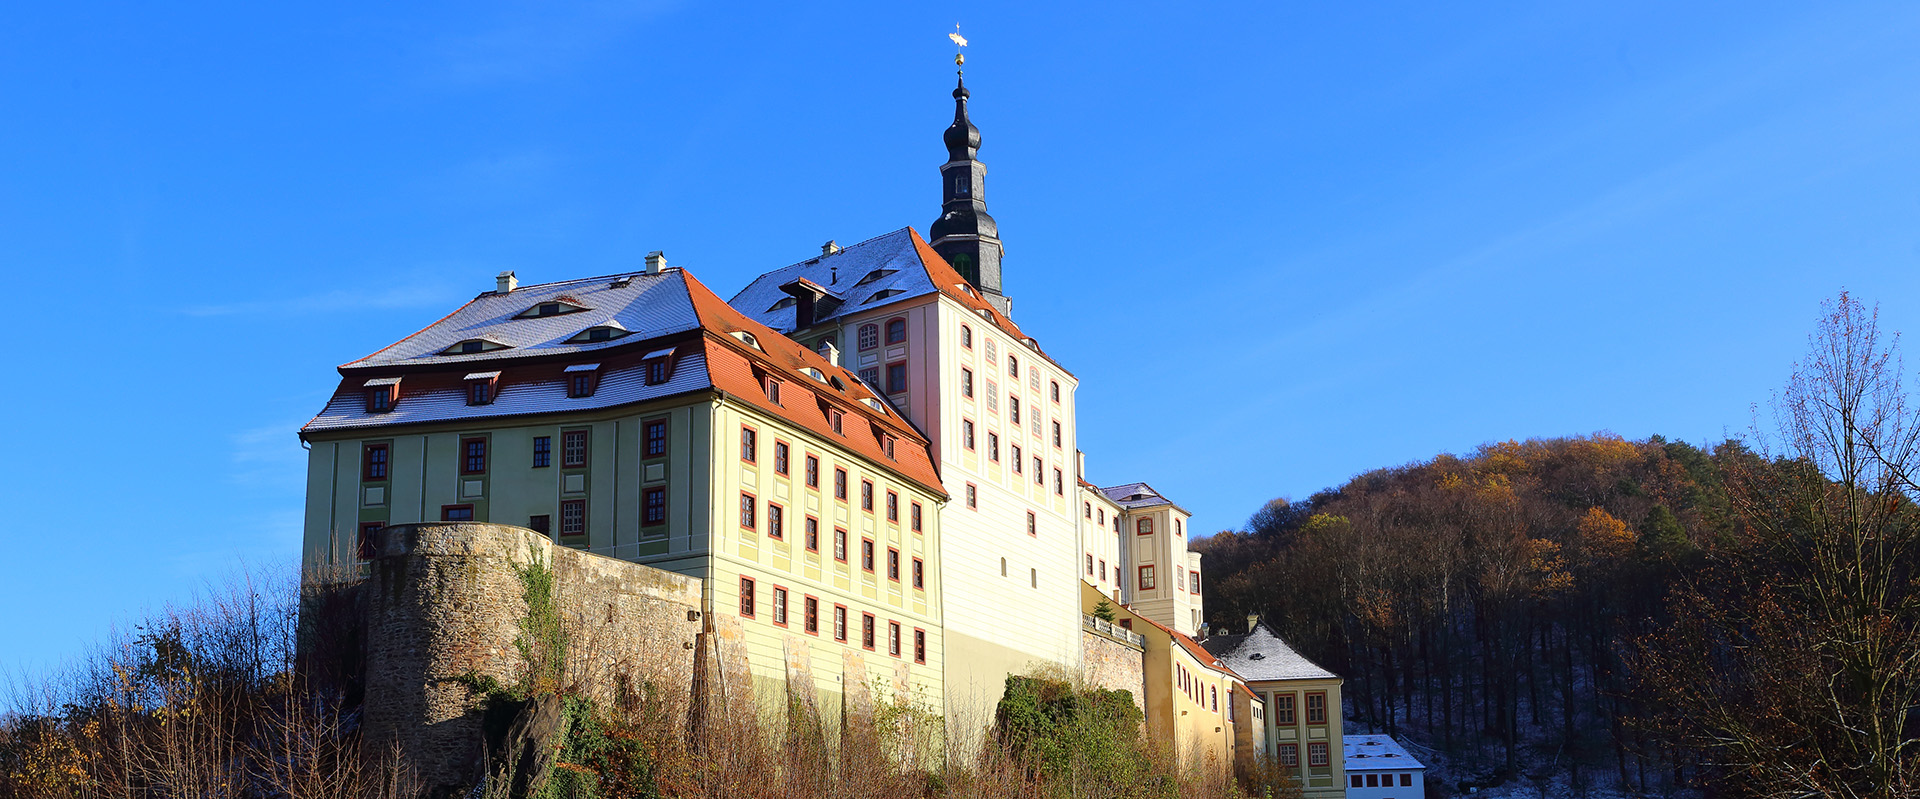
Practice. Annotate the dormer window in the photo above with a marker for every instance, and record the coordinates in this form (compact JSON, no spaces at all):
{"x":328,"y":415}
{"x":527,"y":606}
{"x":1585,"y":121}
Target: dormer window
{"x":658,"y":365}
{"x":881,"y":295}
{"x":553,"y":307}
{"x":382,"y":393}
{"x":886,"y":445}
{"x":875,"y":275}
{"x":747,"y":338}
{"x":814,"y":373}
{"x":773,"y":390}
{"x":603,"y":332}
{"x":875,"y":404}
{"x":783,"y":302}
{"x":481,"y":387}
{"x":835,"y":417}
{"x":582,"y":379}
{"x":473,"y":345}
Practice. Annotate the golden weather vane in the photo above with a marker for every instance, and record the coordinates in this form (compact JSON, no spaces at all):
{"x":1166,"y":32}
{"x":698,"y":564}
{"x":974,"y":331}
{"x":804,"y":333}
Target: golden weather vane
{"x":959,"y":58}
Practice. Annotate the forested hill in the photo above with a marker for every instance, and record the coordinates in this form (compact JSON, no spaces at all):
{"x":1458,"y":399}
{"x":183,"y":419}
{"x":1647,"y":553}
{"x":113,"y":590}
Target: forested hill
{"x":1483,"y":605}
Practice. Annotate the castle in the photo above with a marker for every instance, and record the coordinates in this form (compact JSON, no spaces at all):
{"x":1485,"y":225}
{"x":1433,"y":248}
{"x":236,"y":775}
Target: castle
{"x":857,"y":466}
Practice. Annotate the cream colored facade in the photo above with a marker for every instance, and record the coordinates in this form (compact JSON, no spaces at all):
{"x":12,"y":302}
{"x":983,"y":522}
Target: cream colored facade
{"x":1163,"y":576}
{"x":1287,"y":725}
{"x":1101,"y":561}
{"x":1189,"y":696}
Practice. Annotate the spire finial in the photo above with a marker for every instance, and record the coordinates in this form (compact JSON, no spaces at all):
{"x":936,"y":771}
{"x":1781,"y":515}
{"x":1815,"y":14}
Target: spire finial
{"x":959,"y":58}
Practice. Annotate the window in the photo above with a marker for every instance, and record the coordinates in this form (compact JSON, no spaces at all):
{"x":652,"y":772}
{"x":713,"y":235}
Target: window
{"x":456,"y":513}
{"x":1289,"y":755}
{"x":1283,"y":710}
{"x":811,"y":537}
{"x":870,"y":376}
{"x":542,"y":524}
{"x":919,"y":574}
{"x":747,"y":516}
{"x":966,"y":433}
{"x":1406,"y":780}
{"x":839,"y":545}
{"x":839,"y":622}
{"x":866,"y":555}
{"x":1039,"y":472}
{"x":993,"y":447}
{"x":380,"y":399}
{"x":836,"y":419}
{"x":896,"y":331}
{"x":813,"y":472}
{"x":773,"y":391}
{"x":1179,"y":578}
{"x":893,"y":507}
{"x":919,"y":645}
{"x":1100,"y":516}
{"x":811,"y":619}
{"x":573,"y":448}
{"x":1145,"y":526}
{"x":479,"y":392}
{"x":655,"y":436}
{"x":869,"y":337}
{"x":1089,"y":564}
{"x":966,"y":337}
{"x":363,"y":548}
{"x":1178,"y":528}
{"x":749,"y":445}
{"x":1214,"y":691}
{"x":1103,"y":570}
{"x":990,"y":350}
{"x":1013,"y":366}
{"x":580,"y":384}
{"x":1316,"y":754}
{"x":1056,"y":390}
{"x":1317,"y":707}
{"x":886,"y":445}
{"x":893,"y":564}
{"x":966,"y":382}
{"x":839,"y":484}
{"x":653,"y":506}
{"x":475,"y":460}
{"x":542,"y":451}
{"x":1373,"y":780}
{"x":1033,"y":379}
{"x":776,"y":521}
{"x":866,"y":630}
{"x":1034,"y":576}
{"x":1059,"y":483}
{"x":1056,"y":434}
{"x":1146,"y":578}
{"x":1016,"y":459}
{"x":373,"y":463}
{"x":913,"y":516}
{"x":780,"y":451}
{"x":1193,"y":582}
{"x":1088,"y":509}
{"x":866,"y":495}
{"x":973,"y":497}
{"x":780,"y":606}
{"x":1003,"y":567}
{"x":573,"y":517}
{"x":1013,"y":409}
{"x":893,"y":638}
{"x":746,"y":597}
{"x":1033,"y":524}
{"x":656,"y":371}
{"x":896,"y":378}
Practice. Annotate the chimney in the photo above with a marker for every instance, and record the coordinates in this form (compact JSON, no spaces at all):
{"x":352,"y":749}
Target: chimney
{"x":830,"y":352}
{"x":656,"y":261}
{"x":806,"y":296}
{"x":1080,"y":463}
{"x":829,"y":248}
{"x":1252,"y":619}
{"x":505,"y":282}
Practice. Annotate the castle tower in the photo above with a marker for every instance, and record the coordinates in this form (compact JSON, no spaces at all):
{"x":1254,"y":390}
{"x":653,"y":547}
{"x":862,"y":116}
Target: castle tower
{"x":965,"y":234}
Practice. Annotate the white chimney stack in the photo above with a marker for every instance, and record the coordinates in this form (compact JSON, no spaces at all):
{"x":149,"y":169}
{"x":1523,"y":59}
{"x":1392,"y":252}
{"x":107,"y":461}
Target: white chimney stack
{"x":505,"y":282}
{"x":829,"y":248}
{"x":830,"y":352}
{"x":1251,"y":621}
{"x":656,"y":261}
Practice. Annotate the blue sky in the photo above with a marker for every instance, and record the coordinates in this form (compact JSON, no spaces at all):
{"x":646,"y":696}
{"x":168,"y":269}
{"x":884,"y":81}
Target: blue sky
{"x":1279,"y":244}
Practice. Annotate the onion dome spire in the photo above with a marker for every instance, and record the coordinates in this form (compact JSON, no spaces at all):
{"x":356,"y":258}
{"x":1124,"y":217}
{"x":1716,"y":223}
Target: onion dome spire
{"x":965,"y":234}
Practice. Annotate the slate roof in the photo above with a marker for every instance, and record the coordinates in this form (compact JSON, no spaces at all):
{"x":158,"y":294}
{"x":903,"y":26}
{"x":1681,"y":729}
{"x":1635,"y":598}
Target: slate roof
{"x":691,"y":325}
{"x":1148,"y":497}
{"x":1377,"y":753}
{"x":1194,"y":648}
{"x":905,"y":263}
{"x":1260,"y":655}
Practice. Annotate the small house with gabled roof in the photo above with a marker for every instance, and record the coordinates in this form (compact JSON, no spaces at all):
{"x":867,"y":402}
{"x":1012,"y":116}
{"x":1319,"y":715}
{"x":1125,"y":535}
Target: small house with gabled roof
{"x":1302,"y":702}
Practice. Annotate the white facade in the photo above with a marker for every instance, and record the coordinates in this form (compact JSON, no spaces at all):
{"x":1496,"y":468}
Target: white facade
{"x":1378,"y":767}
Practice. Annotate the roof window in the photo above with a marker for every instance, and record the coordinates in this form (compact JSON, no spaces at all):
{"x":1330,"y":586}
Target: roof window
{"x":875,"y":404}
{"x":881,"y":295}
{"x":382,"y":394}
{"x":748,"y":339}
{"x":875,"y":275}
{"x":602,"y":332}
{"x":658,"y":365}
{"x":482,"y":387}
{"x":473,"y":345}
{"x":554,"y":307}
{"x":816,"y":374}
{"x":582,"y":379}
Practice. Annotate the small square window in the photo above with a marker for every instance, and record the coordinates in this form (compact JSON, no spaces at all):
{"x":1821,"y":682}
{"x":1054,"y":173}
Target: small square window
{"x":542,"y":524}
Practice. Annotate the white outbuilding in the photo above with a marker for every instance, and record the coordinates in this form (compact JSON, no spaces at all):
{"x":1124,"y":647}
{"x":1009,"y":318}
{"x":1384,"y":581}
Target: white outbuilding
{"x":1378,"y":767}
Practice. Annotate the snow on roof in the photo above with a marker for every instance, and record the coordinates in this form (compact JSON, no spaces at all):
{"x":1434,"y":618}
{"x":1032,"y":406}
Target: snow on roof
{"x":1134,"y":496}
{"x":1378,"y":753}
{"x":889,"y":259}
{"x":1260,"y":655}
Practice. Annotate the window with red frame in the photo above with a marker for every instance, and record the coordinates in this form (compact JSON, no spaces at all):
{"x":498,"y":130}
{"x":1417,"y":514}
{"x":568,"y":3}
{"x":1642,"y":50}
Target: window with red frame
{"x":373,"y":463}
{"x":896,"y":331}
{"x":1017,"y":458}
{"x":813,"y":534}
{"x":1089,"y":564}
{"x":893,"y":507}
{"x":1033,"y":524}
{"x":919,"y":645}
{"x":1039,"y":472}
{"x":363,"y":548}
{"x":1145,"y":526}
{"x":1013,"y":409}
{"x":1056,"y":434}
{"x":1289,"y":755}
{"x":813,"y":472}
{"x":919,"y":574}
{"x":1013,"y":366}
{"x":866,"y":495}
{"x":839,"y":622}
{"x":653,"y":506}
{"x":580,"y":385}
{"x":1317,"y":707}
{"x":966,"y":337}
{"x":573,"y":517}
{"x":1059,"y":483}
{"x":780,"y":449}
{"x":1316,"y":754}
{"x":866,"y":555}
{"x":866,"y":630}
{"x":993,"y":447}
{"x":973,"y":497}
{"x":776,"y":521}
{"x":1103,"y":570}
{"x":573,"y":448}
{"x":839,"y":545}
{"x":655,"y":437}
{"x":1283,"y":710}
{"x":1056,"y":391}
{"x":456,"y":513}
{"x":966,"y":433}
{"x":869,"y":337}
{"x":893,"y":638}
{"x":1178,"y":528}
{"x":896,"y":378}
{"x":1146,"y":578}
{"x":913,"y":516}
{"x":748,"y":518}
{"x":746,"y":597}
{"x":811,"y":620}
{"x":893,"y":564}
{"x":474,"y":452}
{"x":749,"y":447}
{"x":839,"y":484}
{"x":780,"y":606}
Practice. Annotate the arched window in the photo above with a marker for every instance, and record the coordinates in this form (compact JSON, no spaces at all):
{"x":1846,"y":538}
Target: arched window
{"x":869,"y":337}
{"x":896,"y":331}
{"x":966,"y":337}
{"x":1013,"y":366}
